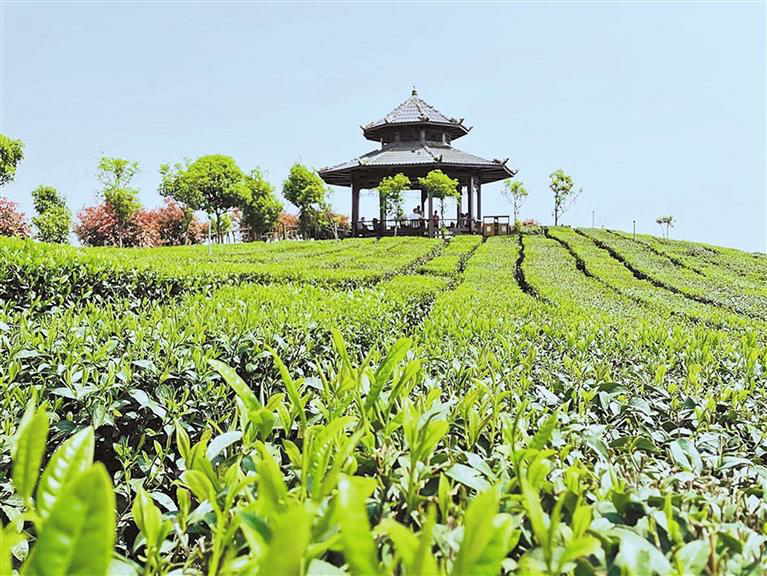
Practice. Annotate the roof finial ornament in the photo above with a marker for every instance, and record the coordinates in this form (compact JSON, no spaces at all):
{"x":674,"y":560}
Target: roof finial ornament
{"x":414,"y":93}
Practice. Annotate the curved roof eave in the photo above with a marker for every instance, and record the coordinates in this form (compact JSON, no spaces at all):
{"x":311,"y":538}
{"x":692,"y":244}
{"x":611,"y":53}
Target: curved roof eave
{"x":456,"y":130}
{"x":344,"y":174}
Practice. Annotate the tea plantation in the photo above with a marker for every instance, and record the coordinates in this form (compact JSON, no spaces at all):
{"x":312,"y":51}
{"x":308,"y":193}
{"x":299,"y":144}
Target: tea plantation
{"x":558,"y":402}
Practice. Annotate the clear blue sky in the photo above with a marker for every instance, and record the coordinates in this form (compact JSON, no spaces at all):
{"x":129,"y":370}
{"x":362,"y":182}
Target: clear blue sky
{"x":653,"y":108}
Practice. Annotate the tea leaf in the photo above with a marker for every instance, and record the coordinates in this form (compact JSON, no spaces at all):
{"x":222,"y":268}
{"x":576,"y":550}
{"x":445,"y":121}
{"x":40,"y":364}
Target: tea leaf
{"x":483,"y":549}
{"x":236,"y":383}
{"x":290,"y":386}
{"x":288,"y":544}
{"x":221,"y":442}
{"x":28,"y":455}
{"x":393,"y":358}
{"x":357,"y":540}
{"x":79,"y":534}
{"x":69,"y":460}
{"x":692,"y":557}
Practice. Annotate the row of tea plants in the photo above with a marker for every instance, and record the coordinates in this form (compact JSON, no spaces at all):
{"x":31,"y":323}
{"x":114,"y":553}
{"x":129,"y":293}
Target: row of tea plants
{"x":34,"y":275}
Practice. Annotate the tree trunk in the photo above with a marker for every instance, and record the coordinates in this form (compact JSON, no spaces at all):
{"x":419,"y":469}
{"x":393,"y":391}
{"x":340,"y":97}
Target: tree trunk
{"x":442,"y":217}
{"x":210,"y":240}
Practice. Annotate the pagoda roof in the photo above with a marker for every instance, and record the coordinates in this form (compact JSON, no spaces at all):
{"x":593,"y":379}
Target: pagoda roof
{"x":415,"y":111}
{"x":416,"y":156}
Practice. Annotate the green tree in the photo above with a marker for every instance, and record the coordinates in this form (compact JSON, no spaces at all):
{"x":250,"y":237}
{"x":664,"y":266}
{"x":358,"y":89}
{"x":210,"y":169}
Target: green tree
{"x":259,"y":204}
{"x":391,"y":192}
{"x":173,"y":186}
{"x":218,"y":182}
{"x":665,"y":222}
{"x":440,"y":186}
{"x":212,"y":183}
{"x":11,"y":153}
{"x":306,"y":191}
{"x":515,"y":192}
{"x":561,"y":185}
{"x":115,"y":175}
{"x":53,"y":219}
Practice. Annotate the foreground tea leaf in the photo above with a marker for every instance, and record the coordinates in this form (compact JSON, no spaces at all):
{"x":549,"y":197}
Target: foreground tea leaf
{"x":221,"y":442}
{"x":637,"y":556}
{"x":486,"y":537}
{"x":396,"y":354}
{"x":544,"y":433}
{"x":78,"y":537}
{"x":290,"y":385}
{"x":692,"y":557}
{"x":578,"y":548}
{"x":532,"y":504}
{"x":69,"y":460}
{"x":236,"y":383}
{"x":271,"y":485}
{"x":289,"y":541}
{"x":8,"y":539}
{"x":357,"y":540}
{"x":686,"y":455}
{"x":149,"y":520}
{"x":30,"y":448}
{"x":405,"y":542}
{"x":201,"y":487}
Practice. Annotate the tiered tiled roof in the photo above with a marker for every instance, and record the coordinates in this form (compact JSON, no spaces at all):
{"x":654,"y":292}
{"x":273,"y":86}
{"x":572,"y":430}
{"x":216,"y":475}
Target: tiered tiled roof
{"x":415,"y":111}
{"x":414,"y":152}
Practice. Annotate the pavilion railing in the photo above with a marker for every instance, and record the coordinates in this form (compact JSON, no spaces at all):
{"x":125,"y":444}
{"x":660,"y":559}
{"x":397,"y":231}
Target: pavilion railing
{"x":415,"y":227}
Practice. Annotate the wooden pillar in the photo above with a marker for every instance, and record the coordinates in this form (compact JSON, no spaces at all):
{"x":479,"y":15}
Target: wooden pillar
{"x":430,"y":219}
{"x":458,"y":205}
{"x":470,"y":194}
{"x":423,"y":201}
{"x":381,"y":215}
{"x":355,"y":207}
{"x":479,"y":201}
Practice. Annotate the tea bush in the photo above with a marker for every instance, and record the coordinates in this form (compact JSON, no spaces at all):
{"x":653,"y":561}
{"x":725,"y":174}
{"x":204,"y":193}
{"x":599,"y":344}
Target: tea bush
{"x":45,"y":276}
{"x":725,"y":290}
{"x":526,"y":405}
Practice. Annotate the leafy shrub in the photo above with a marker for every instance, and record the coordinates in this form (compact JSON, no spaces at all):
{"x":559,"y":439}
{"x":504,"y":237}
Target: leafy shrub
{"x":12,"y":222}
{"x":53,"y":225}
{"x":99,"y":226}
{"x":175,"y":226}
{"x":53,"y":219}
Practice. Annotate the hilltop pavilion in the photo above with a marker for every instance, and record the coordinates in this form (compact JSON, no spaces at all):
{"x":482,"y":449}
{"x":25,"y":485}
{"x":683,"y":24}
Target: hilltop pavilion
{"x":416,"y":138}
